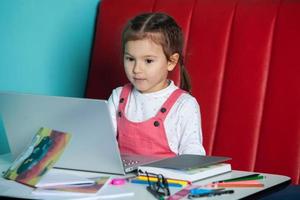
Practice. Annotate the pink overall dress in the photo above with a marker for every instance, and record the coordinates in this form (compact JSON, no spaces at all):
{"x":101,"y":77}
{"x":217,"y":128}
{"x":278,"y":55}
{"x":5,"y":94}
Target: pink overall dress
{"x":147,"y":137}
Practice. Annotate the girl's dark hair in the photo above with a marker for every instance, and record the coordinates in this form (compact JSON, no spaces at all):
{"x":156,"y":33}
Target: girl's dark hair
{"x":161,"y":29}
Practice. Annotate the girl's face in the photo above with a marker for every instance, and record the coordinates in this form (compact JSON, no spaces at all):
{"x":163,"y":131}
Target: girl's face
{"x":146,"y":65}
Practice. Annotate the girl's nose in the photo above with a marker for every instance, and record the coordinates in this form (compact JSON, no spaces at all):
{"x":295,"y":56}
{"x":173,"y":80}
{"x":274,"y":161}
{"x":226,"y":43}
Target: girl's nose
{"x":137,"y":68}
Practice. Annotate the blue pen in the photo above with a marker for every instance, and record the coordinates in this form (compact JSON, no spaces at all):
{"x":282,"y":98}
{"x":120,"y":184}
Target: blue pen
{"x":199,"y":191}
{"x":146,"y":183}
{"x":210,"y":194}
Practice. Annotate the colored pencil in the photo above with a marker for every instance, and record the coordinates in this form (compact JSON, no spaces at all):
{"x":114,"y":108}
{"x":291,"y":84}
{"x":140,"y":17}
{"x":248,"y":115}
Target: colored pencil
{"x":146,"y":183}
{"x":177,"y":181}
{"x":242,"y":178}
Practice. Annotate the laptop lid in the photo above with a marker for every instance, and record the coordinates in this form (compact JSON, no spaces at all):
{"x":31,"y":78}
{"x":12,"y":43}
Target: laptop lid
{"x":93,"y":146}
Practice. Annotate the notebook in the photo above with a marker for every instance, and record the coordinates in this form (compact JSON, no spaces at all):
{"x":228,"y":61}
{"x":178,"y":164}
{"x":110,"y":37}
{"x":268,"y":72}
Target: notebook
{"x":93,"y":146}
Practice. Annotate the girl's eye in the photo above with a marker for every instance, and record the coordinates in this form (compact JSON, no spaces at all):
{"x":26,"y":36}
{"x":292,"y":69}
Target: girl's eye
{"x":148,"y":61}
{"x":129,"y":59}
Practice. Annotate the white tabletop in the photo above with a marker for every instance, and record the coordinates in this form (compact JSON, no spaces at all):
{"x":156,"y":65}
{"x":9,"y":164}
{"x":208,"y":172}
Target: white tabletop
{"x":14,"y":189}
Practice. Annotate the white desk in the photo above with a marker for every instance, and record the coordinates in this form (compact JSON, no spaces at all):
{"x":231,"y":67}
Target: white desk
{"x":14,"y":189}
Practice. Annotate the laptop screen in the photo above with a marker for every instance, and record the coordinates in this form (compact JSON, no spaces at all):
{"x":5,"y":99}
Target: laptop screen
{"x":93,"y":145}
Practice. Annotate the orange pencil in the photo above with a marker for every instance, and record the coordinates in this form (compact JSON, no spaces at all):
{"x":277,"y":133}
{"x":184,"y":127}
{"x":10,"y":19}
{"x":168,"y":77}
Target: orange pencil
{"x":249,"y":183}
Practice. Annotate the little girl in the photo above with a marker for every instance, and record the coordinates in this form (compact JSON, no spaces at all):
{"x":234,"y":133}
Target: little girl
{"x":151,"y":115}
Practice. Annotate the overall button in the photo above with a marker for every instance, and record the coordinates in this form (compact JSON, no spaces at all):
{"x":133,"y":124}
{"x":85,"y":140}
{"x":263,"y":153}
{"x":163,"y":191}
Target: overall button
{"x":156,"y":123}
{"x":120,"y":114}
{"x":121,"y":100}
{"x":163,"y":110}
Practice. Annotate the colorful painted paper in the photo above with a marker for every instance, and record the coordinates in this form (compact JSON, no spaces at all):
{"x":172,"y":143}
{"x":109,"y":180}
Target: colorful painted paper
{"x":43,"y":152}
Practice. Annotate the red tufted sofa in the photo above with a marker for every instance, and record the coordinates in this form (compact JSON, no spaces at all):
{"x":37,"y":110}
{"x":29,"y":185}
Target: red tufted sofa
{"x":244,"y":60}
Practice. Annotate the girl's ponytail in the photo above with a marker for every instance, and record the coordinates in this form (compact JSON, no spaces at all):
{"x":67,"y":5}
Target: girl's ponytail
{"x":185,"y":81}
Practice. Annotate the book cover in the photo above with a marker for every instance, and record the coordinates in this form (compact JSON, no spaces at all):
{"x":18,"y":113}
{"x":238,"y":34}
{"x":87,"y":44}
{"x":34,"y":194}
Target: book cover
{"x":39,"y":157}
{"x":187,"y":161}
{"x":192,"y":174}
{"x":73,"y":189}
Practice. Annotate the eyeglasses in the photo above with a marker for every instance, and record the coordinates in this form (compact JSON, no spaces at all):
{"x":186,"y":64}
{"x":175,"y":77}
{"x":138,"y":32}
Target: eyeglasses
{"x":160,"y":188}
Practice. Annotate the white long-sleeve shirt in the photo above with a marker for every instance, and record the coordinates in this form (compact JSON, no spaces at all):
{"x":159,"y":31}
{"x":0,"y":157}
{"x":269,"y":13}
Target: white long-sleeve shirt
{"x":182,"y":124}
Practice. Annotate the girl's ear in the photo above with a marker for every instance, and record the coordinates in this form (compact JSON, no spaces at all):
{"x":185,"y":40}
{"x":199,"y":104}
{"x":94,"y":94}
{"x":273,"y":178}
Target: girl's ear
{"x":173,"y":60}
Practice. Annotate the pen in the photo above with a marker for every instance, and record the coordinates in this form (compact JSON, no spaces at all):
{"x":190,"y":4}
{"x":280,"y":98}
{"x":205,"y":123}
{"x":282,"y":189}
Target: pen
{"x":247,"y":177}
{"x":77,"y":184}
{"x":214,"y":193}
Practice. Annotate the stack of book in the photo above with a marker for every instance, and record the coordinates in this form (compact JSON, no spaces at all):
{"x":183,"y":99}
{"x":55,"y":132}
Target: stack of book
{"x":188,"y":167}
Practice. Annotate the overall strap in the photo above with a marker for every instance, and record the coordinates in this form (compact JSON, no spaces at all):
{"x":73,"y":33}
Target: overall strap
{"x":124,"y":96}
{"x":166,"y":107}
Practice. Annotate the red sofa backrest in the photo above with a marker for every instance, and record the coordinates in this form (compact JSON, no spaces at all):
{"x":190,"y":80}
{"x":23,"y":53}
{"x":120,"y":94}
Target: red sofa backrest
{"x":244,"y":61}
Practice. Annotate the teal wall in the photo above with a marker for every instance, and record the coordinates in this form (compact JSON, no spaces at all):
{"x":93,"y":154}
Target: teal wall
{"x":45,"y":47}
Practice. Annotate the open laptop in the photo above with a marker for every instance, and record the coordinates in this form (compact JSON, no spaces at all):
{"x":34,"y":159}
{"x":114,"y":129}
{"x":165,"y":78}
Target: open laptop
{"x":93,"y":145}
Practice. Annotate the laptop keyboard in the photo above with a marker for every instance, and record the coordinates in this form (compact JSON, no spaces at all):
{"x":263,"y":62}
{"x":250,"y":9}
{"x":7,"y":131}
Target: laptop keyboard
{"x":129,"y":162}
